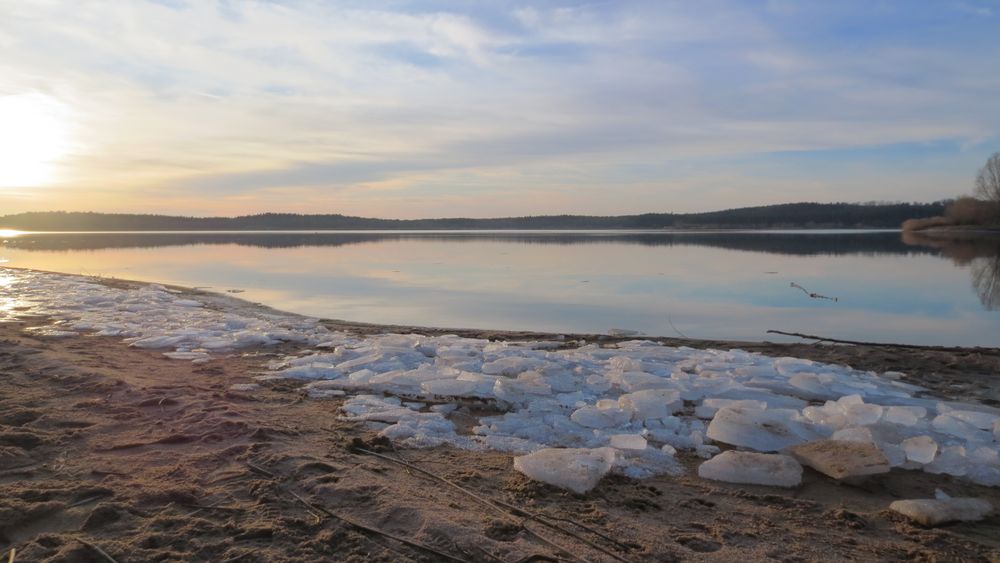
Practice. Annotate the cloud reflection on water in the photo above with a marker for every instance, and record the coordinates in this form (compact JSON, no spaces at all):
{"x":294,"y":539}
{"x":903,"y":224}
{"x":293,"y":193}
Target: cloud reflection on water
{"x":710,"y":285}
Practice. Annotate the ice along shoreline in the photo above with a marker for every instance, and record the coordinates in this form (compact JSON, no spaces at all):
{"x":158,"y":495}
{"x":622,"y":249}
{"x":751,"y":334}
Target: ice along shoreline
{"x":625,"y":405}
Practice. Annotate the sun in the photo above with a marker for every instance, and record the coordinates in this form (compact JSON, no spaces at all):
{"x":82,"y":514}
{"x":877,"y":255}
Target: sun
{"x":33,"y":137}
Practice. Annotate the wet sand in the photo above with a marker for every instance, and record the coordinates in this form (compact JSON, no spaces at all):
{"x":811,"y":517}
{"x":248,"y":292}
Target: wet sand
{"x":106,"y":447}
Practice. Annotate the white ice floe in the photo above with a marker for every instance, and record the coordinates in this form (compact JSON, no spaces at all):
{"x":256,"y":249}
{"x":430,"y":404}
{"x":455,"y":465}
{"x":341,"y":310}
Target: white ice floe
{"x":842,"y":459}
{"x":576,"y":469}
{"x":752,"y":468}
{"x":943,"y":509}
{"x":149,"y":317}
{"x":619,"y":396}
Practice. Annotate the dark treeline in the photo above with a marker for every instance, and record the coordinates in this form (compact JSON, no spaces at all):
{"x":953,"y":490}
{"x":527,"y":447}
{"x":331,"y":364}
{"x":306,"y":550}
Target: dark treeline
{"x":790,"y":215}
{"x":771,"y":242}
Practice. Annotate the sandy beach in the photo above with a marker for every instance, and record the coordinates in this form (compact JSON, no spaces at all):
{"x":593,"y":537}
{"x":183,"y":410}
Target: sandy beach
{"x":112,"y":452}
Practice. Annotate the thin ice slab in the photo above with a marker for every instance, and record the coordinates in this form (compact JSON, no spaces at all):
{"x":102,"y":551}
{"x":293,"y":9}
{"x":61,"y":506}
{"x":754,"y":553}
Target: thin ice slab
{"x":576,"y":469}
{"x":752,"y":468}
{"x":932,"y":512}
{"x":761,"y":430}
{"x":840,"y":459}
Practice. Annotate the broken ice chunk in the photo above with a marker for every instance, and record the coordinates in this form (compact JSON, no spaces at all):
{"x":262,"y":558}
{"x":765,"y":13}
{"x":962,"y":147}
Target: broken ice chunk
{"x":448,"y":387}
{"x":920,"y":449}
{"x":950,"y":460}
{"x":752,"y":468}
{"x":594,"y":417}
{"x":813,"y":386}
{"x":854,"y":434}
{"x":576,"y":469}
{"x":981,"y":420}
{"x":710,"y":406}
{"x":519,"y":390}
{"x":906,"y":416}
{"x":766,"y":431}
{"x":651,"y":403}
{"x":957,"y":427}
{"x":512,"y":366}
{"x":862,"y":414}
{"x":931,"y":512}
{"x":840,"y":459}
{"x":628,"y":442}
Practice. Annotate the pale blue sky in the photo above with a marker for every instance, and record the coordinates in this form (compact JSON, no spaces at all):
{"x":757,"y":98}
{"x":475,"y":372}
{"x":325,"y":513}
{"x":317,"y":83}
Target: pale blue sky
{"x":436,"y":108}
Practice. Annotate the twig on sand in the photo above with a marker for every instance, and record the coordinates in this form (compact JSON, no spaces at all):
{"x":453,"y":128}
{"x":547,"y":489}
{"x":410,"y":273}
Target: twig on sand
{"x":513,"y":510}
{"x":13,"y":552}
{"x":20,"y":470}
{"x":258,"y":469}
{"x":372,"y":530}
{"x":313,"y":507}
{"x":236,"y":558}
{"x":489,"y":555}
{"x":213,"y":507}
{"x":87,"y":500}
{"x":98,"y":550}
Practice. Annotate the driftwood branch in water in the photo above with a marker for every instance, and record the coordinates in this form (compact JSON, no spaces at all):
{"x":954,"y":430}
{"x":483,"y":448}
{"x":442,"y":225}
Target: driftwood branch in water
{"x":813,"y":295}
{"x":882,"y":344}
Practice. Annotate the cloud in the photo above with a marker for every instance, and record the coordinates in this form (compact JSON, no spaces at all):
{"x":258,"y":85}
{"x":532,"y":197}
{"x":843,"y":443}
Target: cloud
{"x":238,"y":101}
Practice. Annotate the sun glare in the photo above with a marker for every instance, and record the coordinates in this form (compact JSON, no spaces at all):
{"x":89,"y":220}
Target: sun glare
{"x":33,"y":137}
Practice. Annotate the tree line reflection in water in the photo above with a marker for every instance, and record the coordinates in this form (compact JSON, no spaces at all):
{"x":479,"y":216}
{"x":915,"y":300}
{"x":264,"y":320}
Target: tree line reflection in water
{"x":978,"y":252}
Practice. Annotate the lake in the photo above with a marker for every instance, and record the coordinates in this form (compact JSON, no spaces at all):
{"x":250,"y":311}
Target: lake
{"x":888,"y":286}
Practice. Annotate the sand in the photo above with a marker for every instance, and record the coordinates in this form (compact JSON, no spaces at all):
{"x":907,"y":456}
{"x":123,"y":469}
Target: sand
{"x":111,"y":448}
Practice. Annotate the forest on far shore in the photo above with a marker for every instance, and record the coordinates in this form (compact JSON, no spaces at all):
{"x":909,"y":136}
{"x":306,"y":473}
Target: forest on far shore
{"x":788,"y":215}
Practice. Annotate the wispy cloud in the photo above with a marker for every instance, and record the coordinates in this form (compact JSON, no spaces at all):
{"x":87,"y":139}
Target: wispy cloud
{"x":439,"y":108}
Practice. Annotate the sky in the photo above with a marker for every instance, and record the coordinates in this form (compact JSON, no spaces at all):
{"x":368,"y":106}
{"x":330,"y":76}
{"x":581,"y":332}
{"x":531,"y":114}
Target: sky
{"x":433,"y":108}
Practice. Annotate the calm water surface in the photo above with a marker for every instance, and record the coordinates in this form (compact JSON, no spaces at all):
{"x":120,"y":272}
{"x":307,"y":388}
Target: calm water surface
{"x":731,"y":285}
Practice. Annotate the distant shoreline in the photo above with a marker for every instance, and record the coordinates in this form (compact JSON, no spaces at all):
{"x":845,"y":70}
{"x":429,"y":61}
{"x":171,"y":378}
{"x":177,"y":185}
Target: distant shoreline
{"x":664,"y":230}
{"x":971,"y":230}
{"x":806,"y":215}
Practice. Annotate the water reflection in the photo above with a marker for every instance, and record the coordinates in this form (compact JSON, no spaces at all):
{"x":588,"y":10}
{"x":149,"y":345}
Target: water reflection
{"x":979,"y":252}
{"x":799,"y":243}
{"x":732,"y":285}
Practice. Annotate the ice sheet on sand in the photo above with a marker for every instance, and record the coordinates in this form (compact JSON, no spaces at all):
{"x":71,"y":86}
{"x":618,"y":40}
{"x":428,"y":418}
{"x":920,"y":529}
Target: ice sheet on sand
{"x":541,"y":395}
{"x":576,"y":469}
{"x":762,"y":430}
{"x":627,"y":442}
{"x":150,"y":316}
{"x":752,"y":468}
{"x":841,"y":459}
{"x":931,"y":512}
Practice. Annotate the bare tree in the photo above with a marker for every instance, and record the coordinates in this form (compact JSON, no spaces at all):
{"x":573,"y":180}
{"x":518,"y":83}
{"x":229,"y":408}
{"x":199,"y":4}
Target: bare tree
{"x":988,"y":180}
